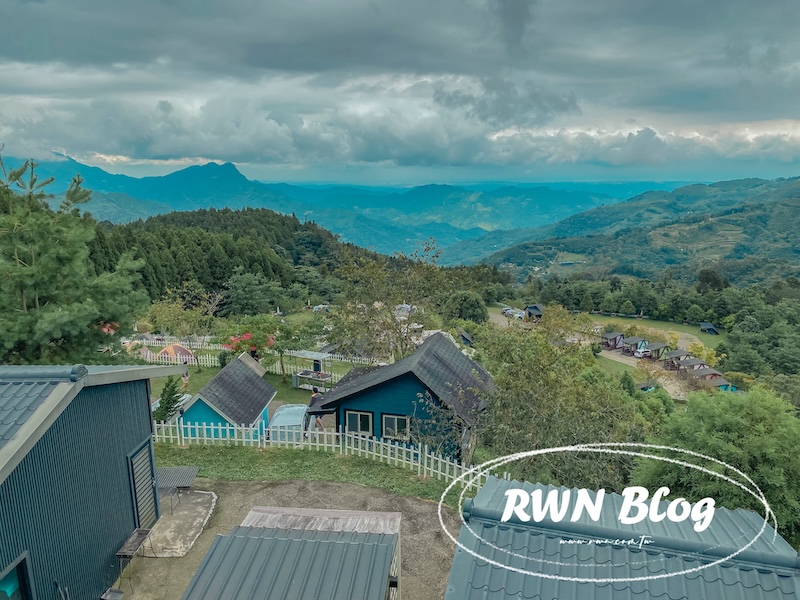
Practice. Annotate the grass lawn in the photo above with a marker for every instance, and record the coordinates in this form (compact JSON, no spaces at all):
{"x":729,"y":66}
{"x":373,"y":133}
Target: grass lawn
{"x":615,"y":367}
{"x":300,"y":317}
{"x":286,"y":393}
{"x":712,"y":341}
{"x":236,"y":463}
{"x":196,"y":380}
{"x":337,"y":366}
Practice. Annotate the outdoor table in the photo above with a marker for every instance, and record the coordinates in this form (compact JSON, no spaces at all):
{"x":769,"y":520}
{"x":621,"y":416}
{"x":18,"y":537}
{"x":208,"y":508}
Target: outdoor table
{"x":129,"y":550}
{"x":174,"y":480}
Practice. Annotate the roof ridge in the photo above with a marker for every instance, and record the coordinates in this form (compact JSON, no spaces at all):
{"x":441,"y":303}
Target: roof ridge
{"x":36,"y":372}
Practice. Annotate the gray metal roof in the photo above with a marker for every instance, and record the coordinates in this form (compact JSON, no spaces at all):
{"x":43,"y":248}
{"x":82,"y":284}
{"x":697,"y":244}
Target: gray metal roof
{"x":311,"y":355}
{"x":655,"y":345}
{"x":257,"y":563}
{"x":535,"y":308}
{"x":716,"y":382}
{"x":611,"y":334}
{"x":766,"y":571}
{"x":676,"y":353}
{"x":690,"y":362}
{"x":238,"y":391}
{"x":632,"y":340}
{"x":315,"y":519}
{"x":440,"y":366}
{"x":705,"y":371}
{"x":33,"y":397}
{"x":175,"y":477}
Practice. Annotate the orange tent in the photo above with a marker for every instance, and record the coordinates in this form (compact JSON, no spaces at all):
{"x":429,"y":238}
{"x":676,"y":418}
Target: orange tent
{"x":176,"y":350}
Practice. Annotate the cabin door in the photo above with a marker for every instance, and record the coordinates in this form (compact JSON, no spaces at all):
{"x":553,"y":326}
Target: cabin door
{"x":144,"y":487}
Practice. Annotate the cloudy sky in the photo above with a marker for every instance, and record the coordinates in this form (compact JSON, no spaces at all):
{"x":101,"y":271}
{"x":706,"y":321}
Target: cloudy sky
{"x":410,"y":91}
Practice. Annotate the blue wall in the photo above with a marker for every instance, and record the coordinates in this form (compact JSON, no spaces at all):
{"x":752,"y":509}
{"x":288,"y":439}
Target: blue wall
{"x":69,"y":502}
{"x":200,"y":412}
{"x":395,"y":397}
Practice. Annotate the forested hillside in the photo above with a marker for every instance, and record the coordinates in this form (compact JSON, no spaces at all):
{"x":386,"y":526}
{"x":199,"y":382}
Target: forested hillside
{"x":207,"y":245}
{"x":750,"y":243}
{"x":624,"y":219}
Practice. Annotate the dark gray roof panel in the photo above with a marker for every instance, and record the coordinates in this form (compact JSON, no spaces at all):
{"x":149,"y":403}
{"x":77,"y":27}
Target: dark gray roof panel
{"x":440,"y":366}
{"x":238,"y":391}
{"x":256,"y":563}
{"x":655,"y":345}
{"x":18,"y":401}
{"x":471,"y":579}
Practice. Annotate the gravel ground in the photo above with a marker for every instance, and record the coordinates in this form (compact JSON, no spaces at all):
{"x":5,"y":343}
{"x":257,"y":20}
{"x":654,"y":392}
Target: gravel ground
{"x":426,"y":552}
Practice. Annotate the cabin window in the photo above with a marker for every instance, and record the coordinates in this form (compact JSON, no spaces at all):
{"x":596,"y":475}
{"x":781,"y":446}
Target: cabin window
{"x":358,"y":422}
{"x":14,"y":583}
{"x":396,"y":427}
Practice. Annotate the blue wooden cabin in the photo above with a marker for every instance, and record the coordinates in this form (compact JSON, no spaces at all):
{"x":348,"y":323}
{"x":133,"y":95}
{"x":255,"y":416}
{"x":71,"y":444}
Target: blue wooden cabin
{"x":384,"y":402}
{"x":237,"y":395}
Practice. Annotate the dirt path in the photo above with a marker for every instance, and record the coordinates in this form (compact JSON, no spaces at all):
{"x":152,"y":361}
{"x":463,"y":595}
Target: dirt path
{"x":426,"y":552}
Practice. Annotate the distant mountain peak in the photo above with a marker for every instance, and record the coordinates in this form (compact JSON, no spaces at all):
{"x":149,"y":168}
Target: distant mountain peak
{"x":226,"y":170}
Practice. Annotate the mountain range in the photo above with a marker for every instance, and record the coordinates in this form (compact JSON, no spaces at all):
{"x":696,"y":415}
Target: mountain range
{"x":382,"y":219}
{"x":748,"y":230}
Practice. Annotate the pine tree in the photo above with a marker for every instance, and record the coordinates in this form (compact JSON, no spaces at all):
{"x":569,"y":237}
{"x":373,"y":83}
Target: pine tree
{"x":627,"y":308}
{"x":54,"y":309}
{"x":587,"y":304}
{"x":168,"y":403}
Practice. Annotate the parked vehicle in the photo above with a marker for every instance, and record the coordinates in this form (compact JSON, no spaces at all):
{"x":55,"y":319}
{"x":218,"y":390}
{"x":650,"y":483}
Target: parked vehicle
{"x":642,"y":353}
{"x":291,"y":423}
{"x":507,"y":311}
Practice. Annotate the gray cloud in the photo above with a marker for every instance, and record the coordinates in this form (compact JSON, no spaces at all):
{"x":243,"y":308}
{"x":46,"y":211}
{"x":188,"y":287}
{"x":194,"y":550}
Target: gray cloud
{"x":501,"y":103}
{"x":515,"y":16}
{"x":314,"y":84}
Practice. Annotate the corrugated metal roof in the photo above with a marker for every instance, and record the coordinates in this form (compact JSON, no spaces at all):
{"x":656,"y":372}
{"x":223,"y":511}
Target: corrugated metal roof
{"x":766,"y":571}
{"x":632,"y":340}
{"x":18,"y":401}
{"x":440,"y":366}
{"x":655,"y":345}
{"x":255,"y":563}
{"x":176,"y":477}
{"x":32,"y":397}
{"x":690,"y":362}
{"x":676,"y":353}
{"x":315,"y":519}
{"x":239,"y":391}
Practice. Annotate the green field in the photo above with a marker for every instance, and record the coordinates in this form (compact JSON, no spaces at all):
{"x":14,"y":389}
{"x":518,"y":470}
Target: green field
{"x":236,"y":463}
{"x":712,"y":341}
{"x":196,"y":381}
{"x":615,"y":367}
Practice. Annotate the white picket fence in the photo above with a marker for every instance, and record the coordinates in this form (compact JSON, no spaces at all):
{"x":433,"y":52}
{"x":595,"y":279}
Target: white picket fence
{"x":356,"y":360}
{"x":421,"y":460}
{"x":166,"y":340}
{"x":204,"y":360}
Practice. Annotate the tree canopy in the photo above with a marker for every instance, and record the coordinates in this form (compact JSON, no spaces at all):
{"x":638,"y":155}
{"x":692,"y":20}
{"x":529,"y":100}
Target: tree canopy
{"x":756,"y":432}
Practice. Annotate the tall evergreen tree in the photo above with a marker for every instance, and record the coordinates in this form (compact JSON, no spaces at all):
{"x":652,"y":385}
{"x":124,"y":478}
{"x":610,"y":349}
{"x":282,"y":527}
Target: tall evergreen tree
{"x":54,"y":309}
